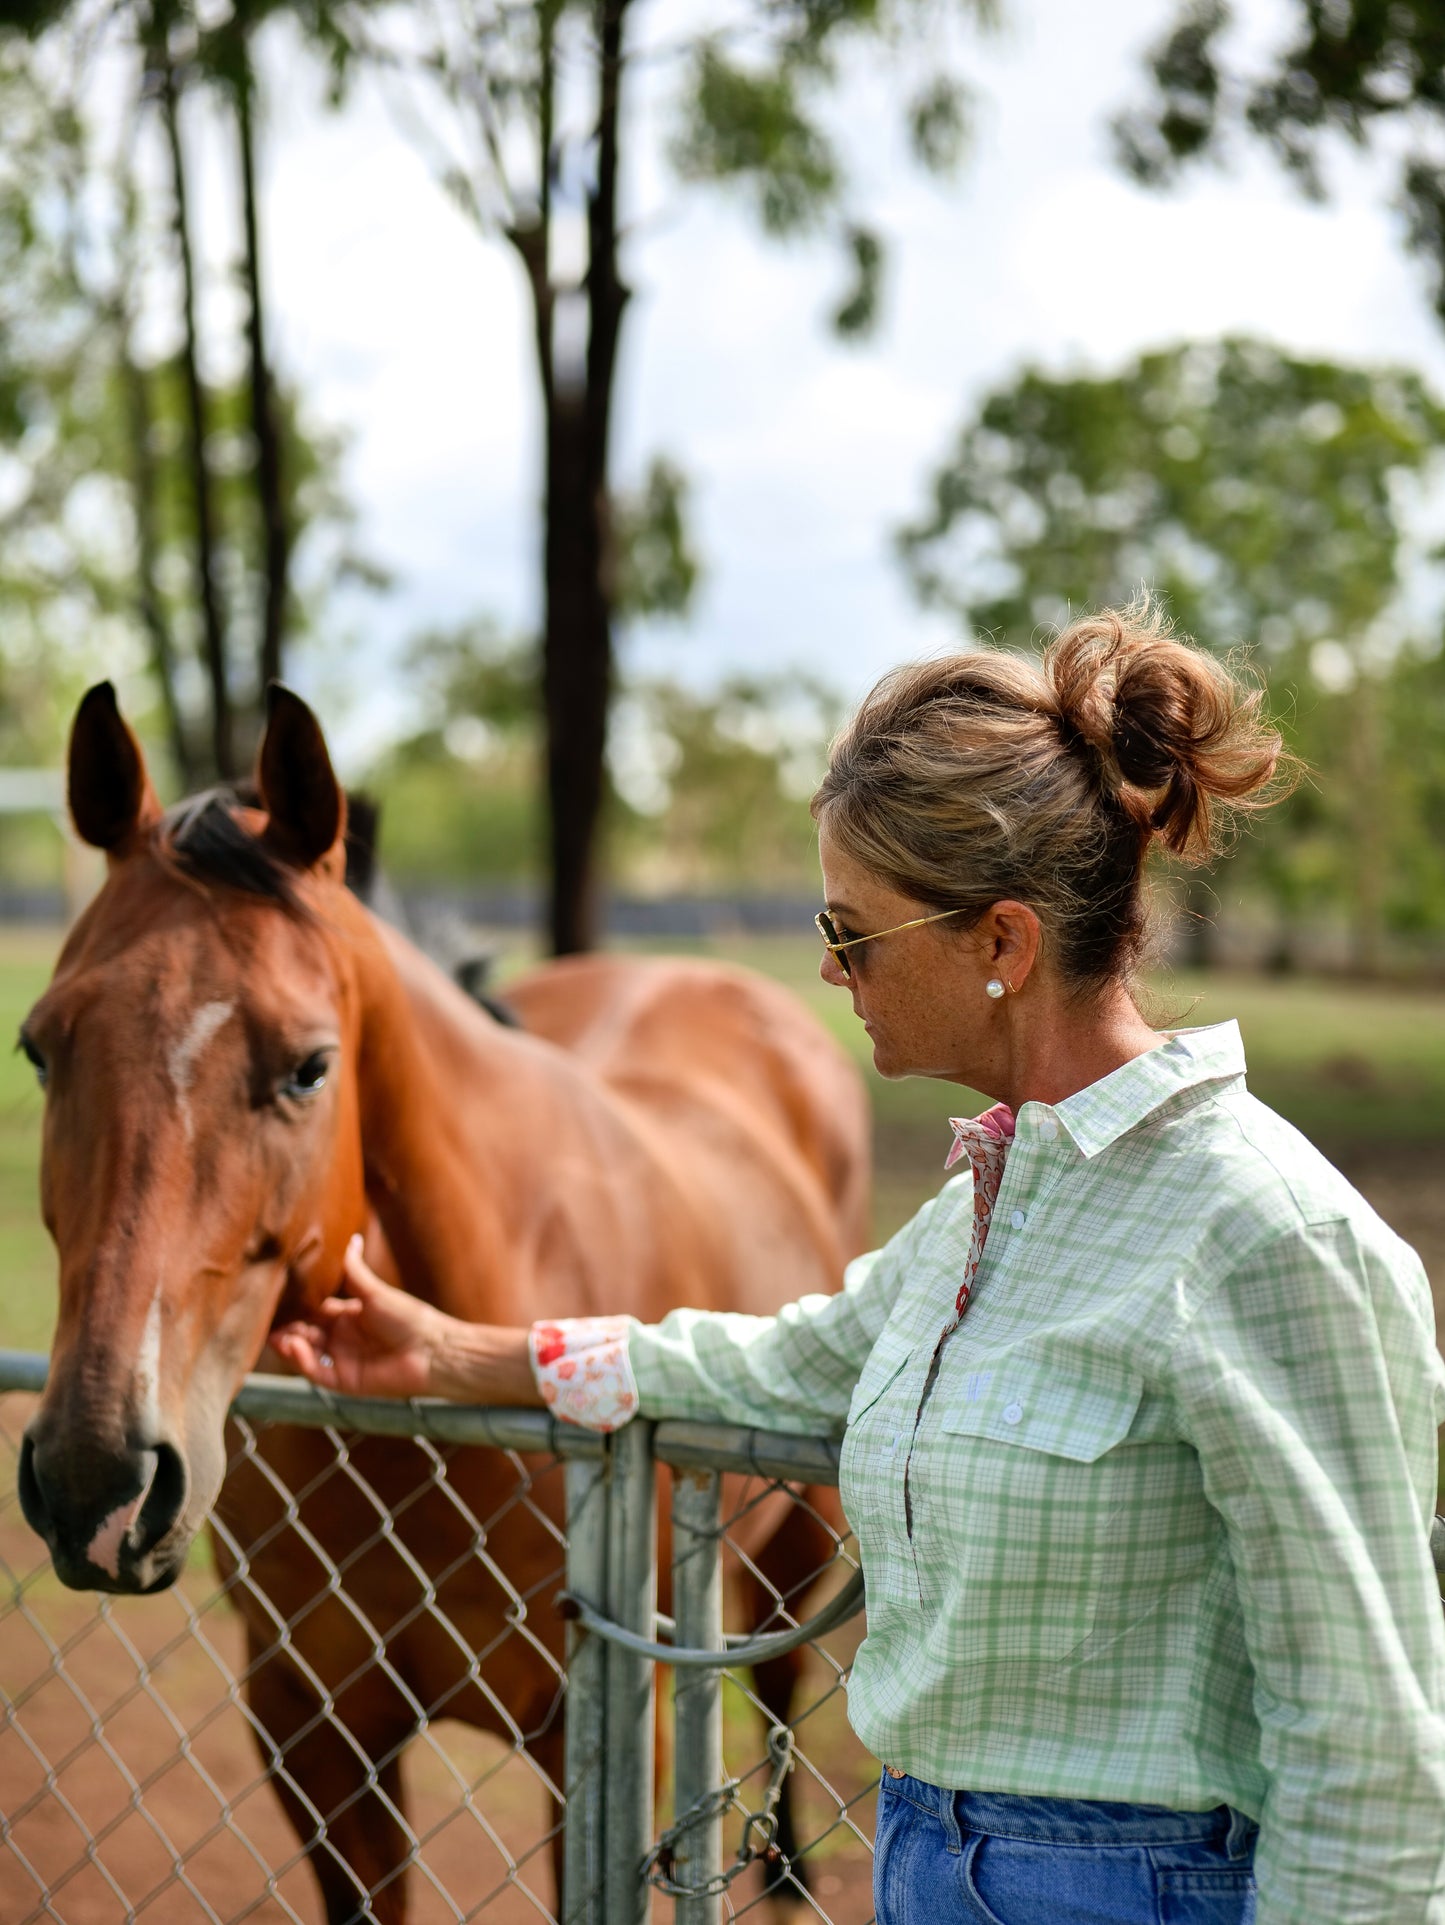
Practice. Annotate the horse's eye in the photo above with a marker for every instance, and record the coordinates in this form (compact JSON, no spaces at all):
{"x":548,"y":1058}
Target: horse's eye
{"x":309,"y":1077}
{"x":33,"y":1057}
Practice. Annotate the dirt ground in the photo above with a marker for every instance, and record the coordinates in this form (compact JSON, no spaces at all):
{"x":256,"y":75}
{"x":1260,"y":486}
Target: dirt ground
{"x":130,"y":1787}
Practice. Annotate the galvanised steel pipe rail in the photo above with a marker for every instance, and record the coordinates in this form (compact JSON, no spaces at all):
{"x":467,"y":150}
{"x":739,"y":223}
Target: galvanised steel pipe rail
{"x":697,"y":1701}
{"x":291,"y":1400}
{"x":689,"y":1445}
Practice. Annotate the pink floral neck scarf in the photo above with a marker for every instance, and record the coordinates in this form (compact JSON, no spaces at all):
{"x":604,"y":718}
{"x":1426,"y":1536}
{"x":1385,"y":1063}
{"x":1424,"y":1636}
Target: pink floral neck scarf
{"x":985,"y":1141}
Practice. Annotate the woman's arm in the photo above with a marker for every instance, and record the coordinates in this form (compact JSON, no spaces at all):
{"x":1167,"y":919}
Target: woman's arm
{"x":1306,"y":1383}
{"x":379,"y":1342}
{"x":794,"y":1371}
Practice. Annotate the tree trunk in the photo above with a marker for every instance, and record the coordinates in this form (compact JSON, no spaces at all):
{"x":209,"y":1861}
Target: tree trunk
{"x":577,"y":636}
{"x":270,"y":497}
{"x":144,"y":490}
{"x":576,"y":675}
{"x":152,"y":608}
{"x":212,"y":626}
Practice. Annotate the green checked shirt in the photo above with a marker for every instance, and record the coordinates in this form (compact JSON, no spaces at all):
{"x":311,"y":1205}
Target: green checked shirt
{"x":1158,"y":1529}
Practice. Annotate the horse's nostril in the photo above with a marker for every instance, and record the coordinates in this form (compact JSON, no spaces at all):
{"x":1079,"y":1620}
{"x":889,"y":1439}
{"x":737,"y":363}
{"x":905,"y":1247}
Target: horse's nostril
{"x":164,"y":1501}
{"x":32,"y":1497}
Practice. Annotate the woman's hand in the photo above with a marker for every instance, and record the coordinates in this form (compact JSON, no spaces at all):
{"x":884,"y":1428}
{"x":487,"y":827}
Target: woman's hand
{"x":379,"y":1342}
{"x":375,"y":1342}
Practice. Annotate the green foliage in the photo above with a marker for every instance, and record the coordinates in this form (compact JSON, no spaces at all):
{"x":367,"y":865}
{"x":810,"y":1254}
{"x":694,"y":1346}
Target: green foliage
{"x":98,"y":517}
{"x":1257,"y":490}
{"x":706,"y":790}
{"x":858,"y":311}
{"x":716,"y":786}
{"x":1265,"y":497}
{"x":474,"y":670}
{"x":1415,"y":721}
{"x":657,"y":566}
{"x":757,"y":119}
{"x":61,"y":516}
{"x":459,"y":797}
{"x":1357,"y":71}
{"x":750,"y":126}
{"x":939,"y":123}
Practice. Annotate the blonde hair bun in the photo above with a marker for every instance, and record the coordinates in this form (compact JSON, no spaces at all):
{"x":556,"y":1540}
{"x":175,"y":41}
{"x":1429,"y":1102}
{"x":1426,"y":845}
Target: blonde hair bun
{"x":1175,"y":731}
{"x":985,"y":776}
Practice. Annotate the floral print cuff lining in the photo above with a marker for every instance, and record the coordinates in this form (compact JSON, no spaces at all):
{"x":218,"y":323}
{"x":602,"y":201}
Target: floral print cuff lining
{"x":582,"y":1370}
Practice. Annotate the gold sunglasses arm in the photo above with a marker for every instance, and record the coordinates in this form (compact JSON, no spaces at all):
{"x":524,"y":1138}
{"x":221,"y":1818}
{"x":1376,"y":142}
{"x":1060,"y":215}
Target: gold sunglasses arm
{"x":897,"y":929}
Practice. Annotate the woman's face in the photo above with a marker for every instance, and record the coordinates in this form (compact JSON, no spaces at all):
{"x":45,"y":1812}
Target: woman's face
{"x":919,"y":994}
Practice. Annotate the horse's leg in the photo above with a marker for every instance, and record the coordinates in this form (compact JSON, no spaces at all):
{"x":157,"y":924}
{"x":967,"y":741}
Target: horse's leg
{"x":329,"y":1779}
{"x":797,"y":1551}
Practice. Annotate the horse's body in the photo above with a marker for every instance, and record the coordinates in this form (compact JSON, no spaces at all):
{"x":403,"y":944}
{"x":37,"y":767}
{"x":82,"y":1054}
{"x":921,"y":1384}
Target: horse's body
{"x":244,"y":1067}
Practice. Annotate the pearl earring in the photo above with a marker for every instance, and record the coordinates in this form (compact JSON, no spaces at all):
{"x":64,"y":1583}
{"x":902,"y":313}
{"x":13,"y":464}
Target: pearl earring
{"x":993,"y":987}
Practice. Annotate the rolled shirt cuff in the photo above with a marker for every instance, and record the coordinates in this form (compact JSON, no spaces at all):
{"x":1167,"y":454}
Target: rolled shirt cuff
{"x":583,"y":1371}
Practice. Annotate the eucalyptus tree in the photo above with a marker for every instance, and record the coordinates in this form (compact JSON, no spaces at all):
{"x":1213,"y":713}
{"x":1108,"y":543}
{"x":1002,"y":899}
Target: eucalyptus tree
{"x":129,"y":507}
{"x":1269,"y":499}
{"x":1346,"y":73}
{"x":541,"y":125}
{"x":171,"y":64}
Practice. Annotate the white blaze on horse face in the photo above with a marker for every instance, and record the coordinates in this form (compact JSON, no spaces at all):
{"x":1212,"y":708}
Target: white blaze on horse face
{"x":104,"y":1551}
{"x":148,"y":1373}
{"x":182,"y":1054}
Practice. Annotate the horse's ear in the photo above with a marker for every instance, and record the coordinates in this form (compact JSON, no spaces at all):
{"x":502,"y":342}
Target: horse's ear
{"x":298,"y":787}
{"x":112,"y":803}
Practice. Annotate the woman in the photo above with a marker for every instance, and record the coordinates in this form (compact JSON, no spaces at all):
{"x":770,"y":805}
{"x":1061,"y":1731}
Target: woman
{"x":1139,"y":1414}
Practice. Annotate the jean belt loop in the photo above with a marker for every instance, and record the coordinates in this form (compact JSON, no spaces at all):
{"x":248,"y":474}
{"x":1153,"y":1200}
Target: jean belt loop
{"x":948,"y":1805}
{"x":1240,"y":1835}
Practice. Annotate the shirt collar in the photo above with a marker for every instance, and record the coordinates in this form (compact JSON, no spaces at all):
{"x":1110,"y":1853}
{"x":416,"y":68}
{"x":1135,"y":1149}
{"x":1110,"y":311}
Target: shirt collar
{"x":1184,"y":1059}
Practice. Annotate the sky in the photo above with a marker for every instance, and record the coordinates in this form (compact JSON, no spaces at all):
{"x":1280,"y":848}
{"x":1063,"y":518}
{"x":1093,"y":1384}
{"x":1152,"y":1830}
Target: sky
{"x":408,"y":330}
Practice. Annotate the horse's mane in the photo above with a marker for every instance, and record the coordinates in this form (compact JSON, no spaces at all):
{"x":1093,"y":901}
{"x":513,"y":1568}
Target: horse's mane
{"x":205,"y":838}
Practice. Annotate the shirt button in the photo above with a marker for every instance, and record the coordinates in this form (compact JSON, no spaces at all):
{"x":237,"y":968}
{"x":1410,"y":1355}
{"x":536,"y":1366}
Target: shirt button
{"x":1048,"y":1128}
{"x":1018,"y":1219}
{"x":1013,"y":1413}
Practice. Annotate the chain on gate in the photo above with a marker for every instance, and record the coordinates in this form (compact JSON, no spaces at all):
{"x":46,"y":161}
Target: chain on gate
{"x":760,"y":1827}
{"x":661,"y":1862}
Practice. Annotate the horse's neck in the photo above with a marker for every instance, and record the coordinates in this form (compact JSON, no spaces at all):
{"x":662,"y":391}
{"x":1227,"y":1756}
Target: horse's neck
{"x":437,"y":1161}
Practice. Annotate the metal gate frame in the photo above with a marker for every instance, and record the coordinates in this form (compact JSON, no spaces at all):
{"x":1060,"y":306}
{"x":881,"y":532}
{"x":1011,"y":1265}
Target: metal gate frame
{"x":610,"y":1598}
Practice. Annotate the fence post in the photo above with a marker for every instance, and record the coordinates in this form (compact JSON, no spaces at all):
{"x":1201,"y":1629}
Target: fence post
{"x":697,"y":1694}
{"x":631,"y":1602}
{"x":584,"y":1818}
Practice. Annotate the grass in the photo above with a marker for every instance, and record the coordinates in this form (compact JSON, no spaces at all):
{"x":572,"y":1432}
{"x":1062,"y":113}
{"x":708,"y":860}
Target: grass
{"x":27,"y":1259}
{"x":1345,"y":1062}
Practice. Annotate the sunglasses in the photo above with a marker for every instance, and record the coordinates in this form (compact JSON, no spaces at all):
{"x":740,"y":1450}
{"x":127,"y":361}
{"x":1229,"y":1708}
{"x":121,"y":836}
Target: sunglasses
{"x":838,"y":945}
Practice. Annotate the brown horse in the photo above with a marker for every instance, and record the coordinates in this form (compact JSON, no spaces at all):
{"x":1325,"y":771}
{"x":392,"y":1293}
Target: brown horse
{"x":242,"y":1068}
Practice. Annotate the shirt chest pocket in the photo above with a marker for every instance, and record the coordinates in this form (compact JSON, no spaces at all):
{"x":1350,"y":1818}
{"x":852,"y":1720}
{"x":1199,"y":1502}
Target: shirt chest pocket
{"x":1022,"y":1497}
{"x":1074,"y":1410}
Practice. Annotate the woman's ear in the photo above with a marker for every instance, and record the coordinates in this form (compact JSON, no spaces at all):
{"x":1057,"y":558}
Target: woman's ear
{"x":1012,"y":939}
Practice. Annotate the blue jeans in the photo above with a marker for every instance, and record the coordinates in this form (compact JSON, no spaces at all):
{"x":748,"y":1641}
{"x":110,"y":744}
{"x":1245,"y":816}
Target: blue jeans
{"x":982,"y":1858}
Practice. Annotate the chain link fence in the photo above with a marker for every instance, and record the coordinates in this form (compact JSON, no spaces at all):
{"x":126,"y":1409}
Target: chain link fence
{"x":396,"y":1670}
{"x":774,"y":1797}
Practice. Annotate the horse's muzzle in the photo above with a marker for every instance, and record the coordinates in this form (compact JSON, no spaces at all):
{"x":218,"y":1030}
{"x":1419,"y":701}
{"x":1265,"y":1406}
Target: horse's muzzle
{"x":109,"y":1518}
